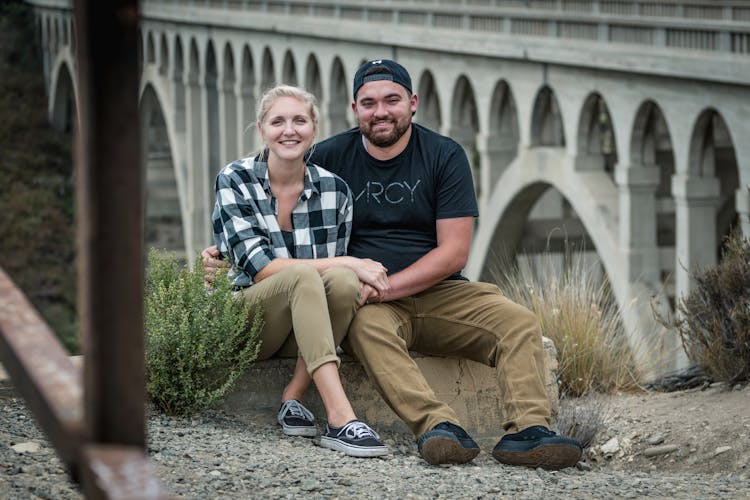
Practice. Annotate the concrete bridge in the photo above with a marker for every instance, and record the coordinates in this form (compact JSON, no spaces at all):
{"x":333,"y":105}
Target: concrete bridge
{"x":620,"y":127}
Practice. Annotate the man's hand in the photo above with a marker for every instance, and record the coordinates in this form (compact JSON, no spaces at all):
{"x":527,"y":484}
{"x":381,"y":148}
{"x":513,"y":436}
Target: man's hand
{"x":373,"y":273}
{"x":368,"y":294}
{"x":211,"y":263}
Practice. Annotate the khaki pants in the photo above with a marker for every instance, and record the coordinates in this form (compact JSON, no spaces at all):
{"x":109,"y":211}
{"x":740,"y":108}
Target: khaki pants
{"x":457,"y":319}
{"x":305,"y":313}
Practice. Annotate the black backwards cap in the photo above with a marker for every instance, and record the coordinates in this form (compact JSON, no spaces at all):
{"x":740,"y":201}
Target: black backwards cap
{"x":381,"y":69}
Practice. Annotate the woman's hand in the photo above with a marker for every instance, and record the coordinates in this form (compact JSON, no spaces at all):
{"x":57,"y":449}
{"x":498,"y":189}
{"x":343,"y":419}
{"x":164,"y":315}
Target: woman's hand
{"x":211,"y":263}
{"x":372,"y":273}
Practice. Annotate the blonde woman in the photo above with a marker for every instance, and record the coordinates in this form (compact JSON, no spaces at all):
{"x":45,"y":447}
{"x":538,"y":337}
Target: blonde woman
{"x":284,"y":225}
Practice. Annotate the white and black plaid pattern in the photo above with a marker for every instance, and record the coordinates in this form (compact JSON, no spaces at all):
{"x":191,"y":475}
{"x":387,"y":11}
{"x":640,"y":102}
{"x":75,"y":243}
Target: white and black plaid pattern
{"x":244,"y":219}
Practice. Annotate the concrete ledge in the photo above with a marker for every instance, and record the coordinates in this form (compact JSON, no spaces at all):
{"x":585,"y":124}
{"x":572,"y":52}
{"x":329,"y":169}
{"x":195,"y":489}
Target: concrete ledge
{"x":470,"y":388}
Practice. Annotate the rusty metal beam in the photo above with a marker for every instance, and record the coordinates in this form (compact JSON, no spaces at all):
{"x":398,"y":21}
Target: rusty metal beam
{"x":41,"y":371}
{"x":119,"y":472}
{"x":110,"y":221}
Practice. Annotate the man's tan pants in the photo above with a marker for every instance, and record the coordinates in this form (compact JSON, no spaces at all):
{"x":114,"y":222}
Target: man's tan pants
{"x":458,"y":319}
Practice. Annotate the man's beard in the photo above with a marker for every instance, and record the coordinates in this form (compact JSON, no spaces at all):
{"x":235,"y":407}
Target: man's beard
{"x":387,"y":140}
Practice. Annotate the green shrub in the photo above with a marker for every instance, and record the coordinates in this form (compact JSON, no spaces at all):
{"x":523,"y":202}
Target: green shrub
{"x":576,"y":310}
{"x":197,"y":341}
{"x":713,"y":320}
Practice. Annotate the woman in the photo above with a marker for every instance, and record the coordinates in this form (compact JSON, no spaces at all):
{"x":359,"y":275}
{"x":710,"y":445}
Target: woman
{"x":285,"y":225}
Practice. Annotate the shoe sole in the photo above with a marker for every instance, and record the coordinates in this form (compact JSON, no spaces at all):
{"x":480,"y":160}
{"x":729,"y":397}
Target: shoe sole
{"x":299,"y":431}
{"x":351,"y":450}
{"x":550,"y":457}
{"x":442,"y":450}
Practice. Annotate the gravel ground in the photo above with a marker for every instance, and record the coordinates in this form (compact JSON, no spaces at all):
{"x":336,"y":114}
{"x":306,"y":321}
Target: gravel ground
{"x":222,"y":456}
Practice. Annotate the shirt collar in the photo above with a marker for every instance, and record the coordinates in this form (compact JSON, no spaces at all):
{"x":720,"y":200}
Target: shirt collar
{"x":309,"y":186}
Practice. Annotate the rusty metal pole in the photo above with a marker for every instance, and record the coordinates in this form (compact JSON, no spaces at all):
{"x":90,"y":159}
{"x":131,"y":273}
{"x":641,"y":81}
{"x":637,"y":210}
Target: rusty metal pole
{"x":110,"y":221}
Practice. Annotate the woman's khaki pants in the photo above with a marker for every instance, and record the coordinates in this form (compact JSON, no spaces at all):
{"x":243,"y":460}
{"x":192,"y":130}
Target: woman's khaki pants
{"x":305,"y":313}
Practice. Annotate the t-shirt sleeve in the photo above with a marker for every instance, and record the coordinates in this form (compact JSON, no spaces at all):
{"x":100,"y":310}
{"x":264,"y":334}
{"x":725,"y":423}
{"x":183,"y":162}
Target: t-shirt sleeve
{"x":455,"y":185}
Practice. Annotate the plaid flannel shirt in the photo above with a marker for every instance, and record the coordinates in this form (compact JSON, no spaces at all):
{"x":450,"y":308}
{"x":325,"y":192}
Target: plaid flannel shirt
{"x":247,"y":231}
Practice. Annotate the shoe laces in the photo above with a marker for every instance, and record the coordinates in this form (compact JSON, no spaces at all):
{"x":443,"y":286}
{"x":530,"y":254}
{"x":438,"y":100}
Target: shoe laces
{"x":295,"y":409}
{"x":358,"y":430}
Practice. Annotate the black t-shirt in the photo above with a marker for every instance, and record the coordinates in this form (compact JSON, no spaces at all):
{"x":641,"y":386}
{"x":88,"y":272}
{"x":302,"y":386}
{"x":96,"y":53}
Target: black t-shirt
{"x":397,"y":202}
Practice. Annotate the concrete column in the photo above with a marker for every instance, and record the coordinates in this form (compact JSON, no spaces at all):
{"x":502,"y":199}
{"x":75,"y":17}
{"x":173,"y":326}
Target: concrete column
{"x":637,"y":187}
{"x":495,"y":154}
{"x":696,"y":199}
{"x":198,"y":226}
{"x":742,"y":205}
{"x":467,"y":138}
{"x":228,"y":124}
{"x":246,"y":126}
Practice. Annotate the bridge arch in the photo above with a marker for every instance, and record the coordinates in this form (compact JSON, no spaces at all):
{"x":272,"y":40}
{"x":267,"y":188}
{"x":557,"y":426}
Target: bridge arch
{"x":546,"y":120}
{"x":213,"y":123}
{"x":526,"y":181}
{"x":163,"y":55}
{"x":339,"y":98}
{"x":247,"y":93}
{"x":228,"y":102}
{"x":428,"y":112}
{"x":163,"y":217}
{"x":267,"y":71}
{"x":464,"y":127}
{"x":314,"y":84}
{"x":503,"y":137}
{"x":712,"y":156}
{"x":178,"y":84}
{"x":596,"y":140}
{"x":289,"y":69}
{"x":63,"y":103}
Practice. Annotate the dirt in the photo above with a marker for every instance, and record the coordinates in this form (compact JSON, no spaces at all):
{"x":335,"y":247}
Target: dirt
{"x":706,"y":429}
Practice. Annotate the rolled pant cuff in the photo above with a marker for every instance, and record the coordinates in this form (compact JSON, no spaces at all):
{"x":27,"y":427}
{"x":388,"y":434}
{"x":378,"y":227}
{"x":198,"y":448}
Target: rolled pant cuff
{"x":311,"y":367}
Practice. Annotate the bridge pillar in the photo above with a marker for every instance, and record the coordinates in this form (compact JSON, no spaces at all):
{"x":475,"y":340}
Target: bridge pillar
{"x":742,"y":205}
{"x":198,"y":183}
{"x":495,"y":154}
{"x":228,"y":123}
{"x":637,"y":200}
{"x":696,"y":199}
{"x":467,"y":138}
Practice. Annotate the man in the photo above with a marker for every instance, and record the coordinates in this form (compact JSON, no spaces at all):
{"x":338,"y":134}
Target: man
{"x":414,"y":211}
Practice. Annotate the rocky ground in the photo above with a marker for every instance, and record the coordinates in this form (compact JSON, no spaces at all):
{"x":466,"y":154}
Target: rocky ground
{"x":689,"y":444}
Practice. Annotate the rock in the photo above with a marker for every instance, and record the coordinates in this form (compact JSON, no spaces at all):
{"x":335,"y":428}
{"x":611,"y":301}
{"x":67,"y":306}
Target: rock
{"x":722,"y":449}
{"x":656,"y":439}
{"x":660,"y":450}
{"x":28,"y":447}
{"x":583,"y":466}
{"x":610,"y":447}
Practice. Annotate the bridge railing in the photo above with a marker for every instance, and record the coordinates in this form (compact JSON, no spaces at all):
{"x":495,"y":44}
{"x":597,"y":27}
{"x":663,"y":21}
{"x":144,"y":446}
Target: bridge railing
{"x":95,"y":417}
{"x":719,"y":26}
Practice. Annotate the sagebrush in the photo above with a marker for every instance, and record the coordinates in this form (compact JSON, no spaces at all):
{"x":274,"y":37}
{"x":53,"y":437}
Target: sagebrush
{"x":198,"y":341}
{"x":713,"y":320}
{"x":576,"y":310}
{"x":582,"y":418}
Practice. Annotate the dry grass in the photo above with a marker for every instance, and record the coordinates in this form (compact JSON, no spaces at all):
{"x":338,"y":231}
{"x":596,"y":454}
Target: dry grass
{"x":576,"y":310}
{"x":582,"y":418}
{"x":714,"y":319}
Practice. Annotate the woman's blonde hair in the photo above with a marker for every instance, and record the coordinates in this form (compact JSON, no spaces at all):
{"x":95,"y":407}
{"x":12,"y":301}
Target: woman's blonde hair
{"x":273,"y":94}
